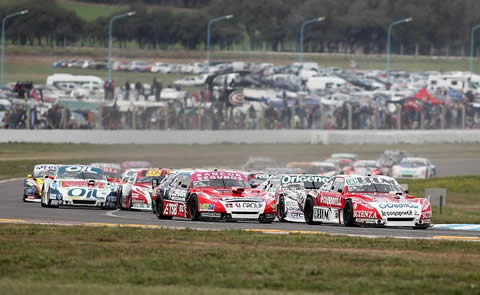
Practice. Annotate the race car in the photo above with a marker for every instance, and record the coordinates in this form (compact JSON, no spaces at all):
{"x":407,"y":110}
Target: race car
{"x":364,"y":167}
{"x":78,"y":185}
{"x":289,"y":191}
{"x":256,"y":178}
{"x":32,"y":184}
{"x":212,"y":195}
{"x":136,"y":192}
{"x":111,"y":170}
{"x":414,"y":168}
{"x":366,"y":200}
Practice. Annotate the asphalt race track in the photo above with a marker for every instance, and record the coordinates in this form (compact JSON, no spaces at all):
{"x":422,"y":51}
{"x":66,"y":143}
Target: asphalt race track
{"x":13,"y":209}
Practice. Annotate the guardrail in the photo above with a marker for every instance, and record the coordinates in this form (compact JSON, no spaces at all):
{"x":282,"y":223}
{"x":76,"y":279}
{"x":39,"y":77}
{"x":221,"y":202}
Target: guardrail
{"x":241,"y":136}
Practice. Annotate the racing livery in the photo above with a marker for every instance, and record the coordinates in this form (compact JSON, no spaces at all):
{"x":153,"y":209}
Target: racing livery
{"x":289,"y":191}
{"x":32,"y":184}
{"x":136,"y":192}
{"x":369,"y":200}
{"x":220,"y":195}
{"x":78,"y":185}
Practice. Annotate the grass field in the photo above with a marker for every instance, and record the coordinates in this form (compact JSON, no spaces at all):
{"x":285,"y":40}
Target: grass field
{"x":17,"y":160}
{"x":80,"y":260}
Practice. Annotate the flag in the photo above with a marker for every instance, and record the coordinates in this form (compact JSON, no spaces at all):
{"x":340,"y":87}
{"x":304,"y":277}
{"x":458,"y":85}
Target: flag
{"x":455,"y":94}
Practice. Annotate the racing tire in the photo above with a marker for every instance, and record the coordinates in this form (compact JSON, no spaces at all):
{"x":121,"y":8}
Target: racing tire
{"x":264,"y":220}
{"x":308,"y":211}
{"x":42,"y":204}
{"x":24,"y":198}
{"x":159,"y":210}
{"x":348,"y":218}
{"x":51,"y":206}
{"x":129,"y":207}
{"x":281,"y":209}
{"x":422,"y":227}
{"x":193,"y":208}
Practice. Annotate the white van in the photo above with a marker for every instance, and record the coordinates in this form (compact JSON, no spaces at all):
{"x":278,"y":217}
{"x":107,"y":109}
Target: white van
{"x":71,"y":82}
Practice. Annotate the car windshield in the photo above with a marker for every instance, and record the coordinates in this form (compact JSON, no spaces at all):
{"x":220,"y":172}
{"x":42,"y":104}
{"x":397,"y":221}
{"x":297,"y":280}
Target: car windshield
{"x":374,"y":188}
{"x":149,"y":179}
{"x":77,"y":172}
{"x":412,"y":164}
{"x":221,"y":183}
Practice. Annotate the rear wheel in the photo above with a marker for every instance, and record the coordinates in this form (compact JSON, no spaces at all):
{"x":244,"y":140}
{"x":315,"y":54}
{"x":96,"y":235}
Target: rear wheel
{"x":348,"y":218}
{"x":308,"y":211}
{"x":24,"y":197}
{"x":193,"y":207}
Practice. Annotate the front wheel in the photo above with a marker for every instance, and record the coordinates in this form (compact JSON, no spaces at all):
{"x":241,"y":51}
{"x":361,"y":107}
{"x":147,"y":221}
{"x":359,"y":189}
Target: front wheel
{"x":281,"y":209}
{"x":348,"y":218}
{"x":193,"y":207}
{"x":308,"y":211}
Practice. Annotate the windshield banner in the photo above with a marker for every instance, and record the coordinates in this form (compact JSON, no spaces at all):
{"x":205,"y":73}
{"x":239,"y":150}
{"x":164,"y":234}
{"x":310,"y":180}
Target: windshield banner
{"x":201,"y":176}
{"x":299,"y":178}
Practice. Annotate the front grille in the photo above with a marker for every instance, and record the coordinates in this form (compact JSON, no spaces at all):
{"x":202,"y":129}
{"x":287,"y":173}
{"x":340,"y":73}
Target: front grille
{"x":400,"y":219}
{"x":84,"y":202}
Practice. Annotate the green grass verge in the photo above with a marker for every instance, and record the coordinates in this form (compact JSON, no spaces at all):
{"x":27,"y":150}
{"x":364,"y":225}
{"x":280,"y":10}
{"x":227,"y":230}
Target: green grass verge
{"x":78,"y":260}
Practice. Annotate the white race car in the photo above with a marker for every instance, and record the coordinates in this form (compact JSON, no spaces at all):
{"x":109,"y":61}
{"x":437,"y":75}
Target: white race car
{"x":414,"y":168}
{"x":79,"y":185}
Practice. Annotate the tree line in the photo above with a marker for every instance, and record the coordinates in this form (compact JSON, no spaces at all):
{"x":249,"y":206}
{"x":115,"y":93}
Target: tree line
{"x":351,"y":26}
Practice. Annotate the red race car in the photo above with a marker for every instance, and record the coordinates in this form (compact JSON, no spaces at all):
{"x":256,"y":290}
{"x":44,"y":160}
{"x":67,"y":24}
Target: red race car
{"x":136,"y":191}
{"x":207,"y":195}
{"x":370,"y":200}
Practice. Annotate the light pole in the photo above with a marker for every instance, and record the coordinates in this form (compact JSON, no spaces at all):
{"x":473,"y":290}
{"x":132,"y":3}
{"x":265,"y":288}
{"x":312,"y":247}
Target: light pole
{"x":389,"y":39}
{"x":210,"y":23}
{"x":302,"y":30}
{"x":472,"y":48}
{"x":3,"y":39}
{"x":110,"y":41}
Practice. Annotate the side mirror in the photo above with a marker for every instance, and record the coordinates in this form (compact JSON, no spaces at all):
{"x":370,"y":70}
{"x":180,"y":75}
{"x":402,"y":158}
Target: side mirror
{"x":340,"y":190}
{"x":154,"y":183}
{"x":109,"y":179}
{"x":184,"y":185}
{"x":254,"y":185}
{"x":29,"y":175}
{"x":51,"y":177}
{"x":406,"y":191}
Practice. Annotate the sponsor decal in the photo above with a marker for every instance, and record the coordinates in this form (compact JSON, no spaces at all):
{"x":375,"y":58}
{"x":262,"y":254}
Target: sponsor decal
{"x":296,"y":215}
{"x":325,"y":214}
{"x":207,"y":207}
{"x":154,"y":172}
{"x":398,"y":206}
{"x":83,"y":169}
{"x":364,"y":214}
{"x":297,"y":178}
{"x":210,"y":215}
{"x":368,"y":180}
{"x":83,"y":193}
{"x":331,"y":200}
{"x":396,"y":213}
{"x":170,"y":209}
{"x":218,"y":175}
{"x":247,"y":205}
{"x":264,"y":176}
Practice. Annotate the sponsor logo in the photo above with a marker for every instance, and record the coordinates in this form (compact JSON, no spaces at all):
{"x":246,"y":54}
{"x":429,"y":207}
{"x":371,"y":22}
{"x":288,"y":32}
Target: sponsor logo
{"x":207,"y":207}
{"x":398,"y":206}
{"x":218,"y":175}
{"x":264,"y":176}
{"x":364,"y":214}
{"x":331,"y":200}
{"x":396,"y":213}
{"x":325,"y":214}
{"x":170,"y":209}
{"x":248,"y":205}
{"x":296,"y":215}
{"x":303,"y":178}
{"x":154,"y":172}
{"x":368,"y":180}
{"x":83,"y":193}
{"x":211,"y":215}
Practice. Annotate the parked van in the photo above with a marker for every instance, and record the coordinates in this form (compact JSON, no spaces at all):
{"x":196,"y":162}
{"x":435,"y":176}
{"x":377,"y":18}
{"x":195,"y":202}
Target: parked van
{"x":70,"y":82}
